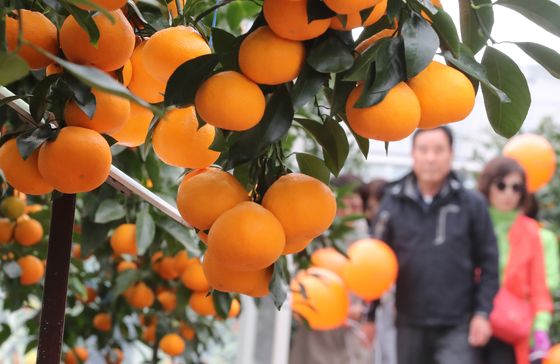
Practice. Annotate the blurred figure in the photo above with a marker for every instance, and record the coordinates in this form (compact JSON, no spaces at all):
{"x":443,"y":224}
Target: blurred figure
{"x":346,"y":345}
{"x":371,"y":194}
{"x":441,"y":233}
{"x":521,"y":267}
{"x":551,"y":262}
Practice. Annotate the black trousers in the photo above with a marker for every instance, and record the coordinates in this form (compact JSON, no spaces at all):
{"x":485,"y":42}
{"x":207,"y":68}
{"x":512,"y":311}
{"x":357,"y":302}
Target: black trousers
{"x":434,"y":345}
{"x":497,"y":352}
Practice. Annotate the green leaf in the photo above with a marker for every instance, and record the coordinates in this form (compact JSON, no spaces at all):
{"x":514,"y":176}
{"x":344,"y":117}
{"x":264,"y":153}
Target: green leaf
{"x":92,"y":236}
{"x":333,"y":140}
{"x":30,"y":140}
{"x":153,"y":168}
{"x":506,"y":118}
{"x":364,"y":14}
{"x":307,"y":85}
{"x":222,"y":41}
{"x":445,"y":27}
{"x":77,"y":286}
{"x":389,"y":71}
{"x":273,"y":126}
{"x":12,"y":68}
{"x":420,"y":44}
{"x":363,"y":143}
{"x":85,"y":21}
{"x":373,"y":29}
{"x":222,"y":303}
{"x":363,"y":63}
{"x":126,"y":279}
{"x":145,"y":229}
{"x":94,"y":77}
{"x":219,"y":144}
{"x":38,"y":102}
{"x":96,"y":7}
{"x":278,"y":288}
{"x":109,"y":210}
{"x":179,"y":233}
{"x":476,"y":24}
{"x":394,"y":8}
{"x":340,"y":94}
{"x":85,"y":99}
{"x":313,"y":166}
{"x":546,"y":57}
{"x":330,"y":55}
{"x":5,"y":332}
{"x":187,"y":78}
{"x":317,"y":9}
{"x":466,"y":63}
{"x":545,"y":13}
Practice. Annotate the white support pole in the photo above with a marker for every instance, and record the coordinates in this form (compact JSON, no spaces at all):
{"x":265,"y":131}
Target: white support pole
{"x":247,"y":332}
{"x":117,"y":178}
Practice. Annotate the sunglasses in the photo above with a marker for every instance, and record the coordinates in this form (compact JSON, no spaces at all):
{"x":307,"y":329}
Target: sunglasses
{"x":516,"y":187}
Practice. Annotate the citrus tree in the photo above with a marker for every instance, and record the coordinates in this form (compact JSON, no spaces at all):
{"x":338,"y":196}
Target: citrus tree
{"x":237,"y":111}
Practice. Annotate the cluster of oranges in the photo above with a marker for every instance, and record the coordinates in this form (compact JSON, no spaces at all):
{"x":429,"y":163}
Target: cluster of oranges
{"x":17,"y":226}
{"x":245,"y":238}
{"x":321,"y":293}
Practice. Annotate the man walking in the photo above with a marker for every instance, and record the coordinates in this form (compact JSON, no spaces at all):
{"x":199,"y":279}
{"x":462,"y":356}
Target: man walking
{"x":448,"y":259}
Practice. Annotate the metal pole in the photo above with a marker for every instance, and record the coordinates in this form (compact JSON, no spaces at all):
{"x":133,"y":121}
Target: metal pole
{"x":51,"y":331}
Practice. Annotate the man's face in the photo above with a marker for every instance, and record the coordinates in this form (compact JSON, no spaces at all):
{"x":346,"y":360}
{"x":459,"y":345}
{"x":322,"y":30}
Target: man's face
{"x":432,"y":156}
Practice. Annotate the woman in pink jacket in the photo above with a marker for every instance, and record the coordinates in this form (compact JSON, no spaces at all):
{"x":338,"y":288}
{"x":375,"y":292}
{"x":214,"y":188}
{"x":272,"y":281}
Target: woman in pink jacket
{"x":521,"y":262}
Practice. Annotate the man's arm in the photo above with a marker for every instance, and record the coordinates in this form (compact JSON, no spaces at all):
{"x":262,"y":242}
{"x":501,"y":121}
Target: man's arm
{"x":485,"y":256}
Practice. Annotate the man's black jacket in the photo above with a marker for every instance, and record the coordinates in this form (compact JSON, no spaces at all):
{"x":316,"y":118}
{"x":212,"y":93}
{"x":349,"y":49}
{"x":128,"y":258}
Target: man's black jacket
{"x":439,"y":246}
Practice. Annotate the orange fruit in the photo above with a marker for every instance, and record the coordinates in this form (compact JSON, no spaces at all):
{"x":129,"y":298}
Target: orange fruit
{"x":288,"y":19}
{"x":12,"y":207}
{"x":79,"y":160}
{"x":445,"y":95}
{"x":123,"y":240}
{"x":193,"y":277}
{"x":6,"y":230}
{"x":229,"y":100}
{"x":90,"y":296}
{"x":234,"y":309}
{"x":127,"y":73}
{"x":324,"y":301}
{"x":385,"y":33}
{"x":168,"y":300}
{"x":149,"y":333}
{"x":169,"y":48}
{"x":179,"y":142}
{"x":125,"y":265}
{"x":251,"y":283}
{"x":266,"y":58}
{"x":203,"y":237}
{"x":38,"y":30}
{"x":166,"y":268}
{"x":77,"y":355}
{"x":28,"y":232}
{"x":111,"y":112}
{"x":372,"y":269}
{"x":329,"y":258}
{"x":537,"y":157}
{"x":141,"y":296}
{"x":202,"y":304}
{"x":350,"y":7}
{"x":102,"y":322}
{"x":553,"y":355}
{"x":205,"y":194}
{"x":135,"y":129}
{"x":394,"y":118}
{"x":172,"y":344}
{"x":32,"y":270}
{"x":21,"y":174}
{"x":53,"y":69}
{"x":182,"y":261}
{"x":246,"y":238}
{"x":31,"y":209}
{"x":354,"y":20}
{"x":107,"y":4}
{"x":156,"y":260}
{"x":186,"y":331}
{"x":114,"y":47}
{"x":304,"y":206}
{"x":142,"y":83}
{"x":115,"y":356}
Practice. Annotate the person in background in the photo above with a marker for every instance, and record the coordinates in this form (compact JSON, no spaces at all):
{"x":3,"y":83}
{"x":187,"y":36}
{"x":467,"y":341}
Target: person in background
{"x":551,"y":261}
{"x":441,"y":233}
{"x":521,"y":264}
{"x":346,"y":344}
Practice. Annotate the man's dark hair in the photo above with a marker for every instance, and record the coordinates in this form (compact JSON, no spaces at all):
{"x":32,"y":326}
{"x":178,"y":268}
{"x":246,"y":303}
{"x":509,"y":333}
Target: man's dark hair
{"x":445,"y":129}
{"x":496,"y":170}
{"x":375,"y":189}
